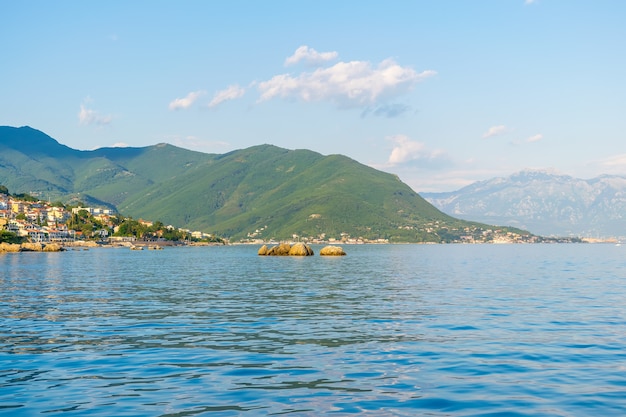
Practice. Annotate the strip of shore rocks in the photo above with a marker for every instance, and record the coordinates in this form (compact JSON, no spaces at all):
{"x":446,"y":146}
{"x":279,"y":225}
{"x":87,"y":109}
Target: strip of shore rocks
{"x":31,"y":247}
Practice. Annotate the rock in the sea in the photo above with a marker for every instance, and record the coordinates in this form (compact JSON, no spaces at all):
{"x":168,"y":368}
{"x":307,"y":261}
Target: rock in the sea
{"x":332,"y":251}
{"x":53,"y":247}
{"x":300,"y":249}
{"x":32,"y":247}
{"x":285,"y":249}
{"x":82,"y":243}
{"x":279,"y":250}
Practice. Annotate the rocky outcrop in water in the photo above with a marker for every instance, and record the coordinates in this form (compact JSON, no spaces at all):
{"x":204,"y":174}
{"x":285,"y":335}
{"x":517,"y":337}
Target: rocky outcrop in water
{"x":332,"y":251}
{"x":53,"y":247}
{"x":285,"y":249}
{"x":300,"y":249}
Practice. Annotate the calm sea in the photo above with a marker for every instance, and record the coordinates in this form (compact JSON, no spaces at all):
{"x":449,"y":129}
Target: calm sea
{"x":390,"y":330}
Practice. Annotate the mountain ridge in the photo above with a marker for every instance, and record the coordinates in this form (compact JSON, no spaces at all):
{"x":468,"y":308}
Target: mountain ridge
{"x":544,"y":202}
{"x":263,"y":191}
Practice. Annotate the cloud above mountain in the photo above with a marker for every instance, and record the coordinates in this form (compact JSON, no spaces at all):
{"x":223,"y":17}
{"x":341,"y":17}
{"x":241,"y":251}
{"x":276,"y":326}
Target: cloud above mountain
{"x":406,"y":151}
{"x":495,"y":131}
{"x":386,"y":110}
{"x":613,"y":164}
{"x":230,"y":93}
{"x":352,"y":84}
{"x":187,"y":101}
{"x":89,"y":116}
{"x":345,"y":84}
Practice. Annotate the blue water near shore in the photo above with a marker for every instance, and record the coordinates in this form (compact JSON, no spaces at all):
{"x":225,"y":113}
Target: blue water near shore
{"x":391,"y":330}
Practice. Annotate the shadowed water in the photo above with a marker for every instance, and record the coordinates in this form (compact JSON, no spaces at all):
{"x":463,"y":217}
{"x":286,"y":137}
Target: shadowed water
{"x":437,"y":330}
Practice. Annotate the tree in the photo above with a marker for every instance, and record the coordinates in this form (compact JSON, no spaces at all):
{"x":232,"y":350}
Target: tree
{"x":4,"y":190}
{"x":9,"y":237}
{"x":116,"y":220}
{"x":130,"y":227}
{"x":87,"y":229}
{"x":25,"y":197}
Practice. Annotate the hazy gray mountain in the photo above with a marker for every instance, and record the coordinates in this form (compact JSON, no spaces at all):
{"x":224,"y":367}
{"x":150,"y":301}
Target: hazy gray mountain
{"x":544,"y":203}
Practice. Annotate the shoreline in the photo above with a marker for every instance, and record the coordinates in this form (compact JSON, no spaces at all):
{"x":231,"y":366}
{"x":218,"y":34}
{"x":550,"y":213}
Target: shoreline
{"x":86,"y":245}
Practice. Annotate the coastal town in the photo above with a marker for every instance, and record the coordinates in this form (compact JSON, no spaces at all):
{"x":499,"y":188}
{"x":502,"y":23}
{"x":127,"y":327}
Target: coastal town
{"x":27,"y":220}
{"x":467,"y":234}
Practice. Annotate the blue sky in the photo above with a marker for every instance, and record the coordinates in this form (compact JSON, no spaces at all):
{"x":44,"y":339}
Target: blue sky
{"x":442,"y":93}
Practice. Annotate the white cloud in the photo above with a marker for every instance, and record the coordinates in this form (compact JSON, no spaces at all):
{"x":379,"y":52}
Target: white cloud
{"x":495,"y":131}
{"x":120,"y":145}
{"x":387,"y":110}
{"x":310,"y":56}
{"x":407,"y":150}
{"x":530,"y":139}
{"x":187,"y":101}
{"x":231,"y":93}
{"x":614,"y":161}
{"x":610,"y":165}
{"x":92,"y":117}
{"x":347,"y":84}
{"x":529,"y":1}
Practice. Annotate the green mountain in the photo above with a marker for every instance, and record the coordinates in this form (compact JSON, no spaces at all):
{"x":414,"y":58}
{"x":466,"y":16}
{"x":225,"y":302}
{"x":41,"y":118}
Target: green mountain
{"x":265,"y":191}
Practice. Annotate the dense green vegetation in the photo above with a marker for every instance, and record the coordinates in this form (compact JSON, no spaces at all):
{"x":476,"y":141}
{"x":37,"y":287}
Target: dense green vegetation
{"x":130,"y":227}
{"x":9,"y":237}
{"x":18,"y":196}
{"x":263,"y":191}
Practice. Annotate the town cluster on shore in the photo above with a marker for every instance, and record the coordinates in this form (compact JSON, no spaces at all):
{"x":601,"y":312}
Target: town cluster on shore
{"x":28,"y":224}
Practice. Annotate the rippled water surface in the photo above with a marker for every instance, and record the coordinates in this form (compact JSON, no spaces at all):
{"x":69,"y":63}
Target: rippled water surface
{"x":436,"y":330}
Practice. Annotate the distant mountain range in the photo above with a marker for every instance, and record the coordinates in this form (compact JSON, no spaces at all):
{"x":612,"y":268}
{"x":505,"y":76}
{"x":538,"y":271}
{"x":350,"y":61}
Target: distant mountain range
{"x":544,"y":203}
{"x":263,"y":191}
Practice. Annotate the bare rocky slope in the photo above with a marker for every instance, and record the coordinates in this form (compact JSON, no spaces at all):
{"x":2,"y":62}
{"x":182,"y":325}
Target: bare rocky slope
{"x":543,"y":203}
